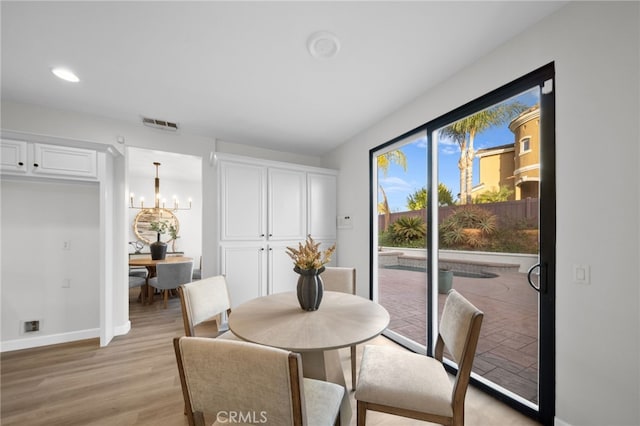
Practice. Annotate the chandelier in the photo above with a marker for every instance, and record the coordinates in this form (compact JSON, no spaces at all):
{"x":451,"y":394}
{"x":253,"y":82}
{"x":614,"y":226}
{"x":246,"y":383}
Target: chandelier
{"x":159,"y":202}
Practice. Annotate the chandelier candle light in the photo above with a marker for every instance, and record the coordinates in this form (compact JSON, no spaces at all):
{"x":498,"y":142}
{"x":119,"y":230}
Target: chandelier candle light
{"x":158,"y":219}
{"x":176,"y":205}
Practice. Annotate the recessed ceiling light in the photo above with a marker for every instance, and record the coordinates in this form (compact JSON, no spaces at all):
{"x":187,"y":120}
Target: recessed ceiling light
{"x":65,"y":74}
{"x":323,"y":45}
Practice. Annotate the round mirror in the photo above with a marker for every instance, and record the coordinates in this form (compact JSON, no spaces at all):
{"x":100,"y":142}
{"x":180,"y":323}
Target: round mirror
{"x":142,"y":224}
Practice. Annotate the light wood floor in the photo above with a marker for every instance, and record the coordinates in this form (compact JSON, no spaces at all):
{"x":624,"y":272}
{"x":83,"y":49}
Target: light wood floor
{"x":134,"y":381}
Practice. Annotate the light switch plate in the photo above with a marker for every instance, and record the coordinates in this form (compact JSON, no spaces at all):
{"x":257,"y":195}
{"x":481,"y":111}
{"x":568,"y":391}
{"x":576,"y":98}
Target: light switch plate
{"x":345,"y":222}
{"x":581,"y":274}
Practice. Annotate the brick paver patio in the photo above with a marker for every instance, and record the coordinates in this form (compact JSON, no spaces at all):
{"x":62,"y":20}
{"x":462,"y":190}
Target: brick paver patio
{"x":507,"y":350}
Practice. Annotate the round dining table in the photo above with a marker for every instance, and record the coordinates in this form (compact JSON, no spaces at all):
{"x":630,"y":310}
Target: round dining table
{"x":150,"y":264}
{"x":342,"y":320}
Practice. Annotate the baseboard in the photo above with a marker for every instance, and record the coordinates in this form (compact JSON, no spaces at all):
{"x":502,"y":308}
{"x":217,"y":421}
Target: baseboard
{"x":121,"y":330}
{"x":51,"y":339}
{"x":558,"y":422}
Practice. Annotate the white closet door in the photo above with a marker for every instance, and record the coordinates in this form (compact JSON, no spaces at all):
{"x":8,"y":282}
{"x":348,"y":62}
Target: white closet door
{"x":243,"y":201}
{"x":287,"y":204}
{"x":244,"y":269}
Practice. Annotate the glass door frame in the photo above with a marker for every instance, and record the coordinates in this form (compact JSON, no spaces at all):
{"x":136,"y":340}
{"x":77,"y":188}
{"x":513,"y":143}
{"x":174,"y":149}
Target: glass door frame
{"x":543,"y":77}
{"x":373,"y":262}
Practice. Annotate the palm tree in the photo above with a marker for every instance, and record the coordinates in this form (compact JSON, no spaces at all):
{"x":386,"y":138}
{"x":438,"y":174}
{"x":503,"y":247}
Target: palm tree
{"x":418,"y":200}
{"x":384,"y":161}
{"x":464,"y":132}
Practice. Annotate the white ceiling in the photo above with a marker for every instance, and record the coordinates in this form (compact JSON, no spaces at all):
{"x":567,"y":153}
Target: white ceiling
{"x":240,"y":71}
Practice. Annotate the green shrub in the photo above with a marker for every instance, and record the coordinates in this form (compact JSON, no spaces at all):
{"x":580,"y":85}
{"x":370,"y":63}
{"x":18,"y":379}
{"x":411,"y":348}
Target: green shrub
{"x":468,"y":227}
{"x":408,"y":228}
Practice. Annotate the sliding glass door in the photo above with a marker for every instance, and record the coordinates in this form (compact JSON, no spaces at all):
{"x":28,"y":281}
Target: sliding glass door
{"x":400,"y":239}
{"x":486,"y":209}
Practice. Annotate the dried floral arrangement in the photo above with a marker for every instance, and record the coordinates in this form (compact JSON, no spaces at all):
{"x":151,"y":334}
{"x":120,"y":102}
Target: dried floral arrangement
{"x":308,"y":256}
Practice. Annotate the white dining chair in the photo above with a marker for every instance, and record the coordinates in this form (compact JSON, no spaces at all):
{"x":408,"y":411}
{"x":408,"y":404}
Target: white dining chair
{"x":417,"y":386}
{"x":343,"y":280}
{"x":223,"y":378}
{"x":204,"y":303}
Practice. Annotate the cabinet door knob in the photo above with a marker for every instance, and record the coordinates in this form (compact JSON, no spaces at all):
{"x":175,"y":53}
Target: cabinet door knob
{"x":261,"y":235}
{"x":36,"y":165}
{"x":20,"y":163}
{"x":271,"y":235}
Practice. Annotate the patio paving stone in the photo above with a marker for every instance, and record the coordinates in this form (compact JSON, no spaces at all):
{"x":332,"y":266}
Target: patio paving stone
{"x":508,"y":345}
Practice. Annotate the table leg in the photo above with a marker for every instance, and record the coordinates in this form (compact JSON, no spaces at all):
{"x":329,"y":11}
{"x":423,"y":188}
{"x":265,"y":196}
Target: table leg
{"x":325,"y":365}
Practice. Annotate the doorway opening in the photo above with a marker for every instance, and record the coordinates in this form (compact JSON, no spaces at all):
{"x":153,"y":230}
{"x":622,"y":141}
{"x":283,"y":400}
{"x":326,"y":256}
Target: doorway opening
{"x":180,"y":193}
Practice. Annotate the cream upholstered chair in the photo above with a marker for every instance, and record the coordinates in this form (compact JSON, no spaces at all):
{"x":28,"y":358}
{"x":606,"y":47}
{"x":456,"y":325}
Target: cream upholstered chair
{"x":343,"y":280}
{"x":253,"y":383}
{"x":416,"y":386}
{"x":169,"y":276}
{"x":203,"y":303}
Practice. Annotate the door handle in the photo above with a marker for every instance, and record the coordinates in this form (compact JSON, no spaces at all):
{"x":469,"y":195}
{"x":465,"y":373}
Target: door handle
{"x":533,"y":268}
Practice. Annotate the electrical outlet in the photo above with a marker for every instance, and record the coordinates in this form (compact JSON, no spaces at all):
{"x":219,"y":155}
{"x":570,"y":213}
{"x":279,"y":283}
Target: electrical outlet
{"x":66,"y":245}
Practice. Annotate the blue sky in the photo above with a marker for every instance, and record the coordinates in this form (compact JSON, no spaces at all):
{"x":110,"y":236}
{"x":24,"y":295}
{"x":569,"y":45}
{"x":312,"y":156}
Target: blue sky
{"x":398,"y":184}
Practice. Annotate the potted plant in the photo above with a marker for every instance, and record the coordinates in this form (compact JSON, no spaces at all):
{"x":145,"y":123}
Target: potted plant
{"x":445,"y":280}
{"x":309,"y":263}
{"x":158,"y":248}
{"x":173,"y":233}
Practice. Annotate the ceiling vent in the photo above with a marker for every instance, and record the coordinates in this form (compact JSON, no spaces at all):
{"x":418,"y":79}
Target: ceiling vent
{"x":160,"y":124}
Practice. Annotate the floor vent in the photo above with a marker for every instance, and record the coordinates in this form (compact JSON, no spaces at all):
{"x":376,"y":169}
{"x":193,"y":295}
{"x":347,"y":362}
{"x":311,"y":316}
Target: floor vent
{"x":160,"y":124}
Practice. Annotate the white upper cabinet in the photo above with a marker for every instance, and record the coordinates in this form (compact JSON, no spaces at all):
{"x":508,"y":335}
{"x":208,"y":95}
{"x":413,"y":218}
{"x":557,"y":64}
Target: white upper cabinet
{"x":242,"y":202}
{"x":322,"y":208}
{"x":287,"y":209}
{"x":27,"y":158}
{"x":64,"y":161}
{"x":13,"y":157}
{"x":258,"y":202}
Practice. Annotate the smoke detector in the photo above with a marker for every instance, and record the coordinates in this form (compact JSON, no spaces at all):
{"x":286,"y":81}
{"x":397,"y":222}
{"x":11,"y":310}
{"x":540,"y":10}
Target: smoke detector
{"x":160,"y":124}
{"x":323,"y":45}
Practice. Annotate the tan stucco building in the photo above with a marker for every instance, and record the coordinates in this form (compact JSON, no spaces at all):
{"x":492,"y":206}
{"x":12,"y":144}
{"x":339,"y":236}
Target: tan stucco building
{"x":516,"y":165}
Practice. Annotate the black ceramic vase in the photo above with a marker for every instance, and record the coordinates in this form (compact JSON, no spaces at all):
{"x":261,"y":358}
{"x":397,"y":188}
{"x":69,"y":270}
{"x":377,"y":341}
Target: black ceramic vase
{"x":158,"y":249}
{"x":310,"y":288}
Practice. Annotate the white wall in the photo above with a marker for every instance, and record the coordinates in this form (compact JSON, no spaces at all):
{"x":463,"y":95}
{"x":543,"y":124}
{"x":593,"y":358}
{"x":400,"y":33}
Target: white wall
{"x":595,"y":47}
{"x":77,"y":128}
{"x":37,"y":218}
{"x":69,"y":127}
{"x":267,"y":154}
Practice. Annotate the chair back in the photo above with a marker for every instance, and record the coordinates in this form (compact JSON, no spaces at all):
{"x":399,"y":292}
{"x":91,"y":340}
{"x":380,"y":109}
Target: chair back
{"x":459,"y":332}
{"x":202,"y":300}
{"x":339,"y":279}
{"x":225,"y":376}
{"x":171,"y":274}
